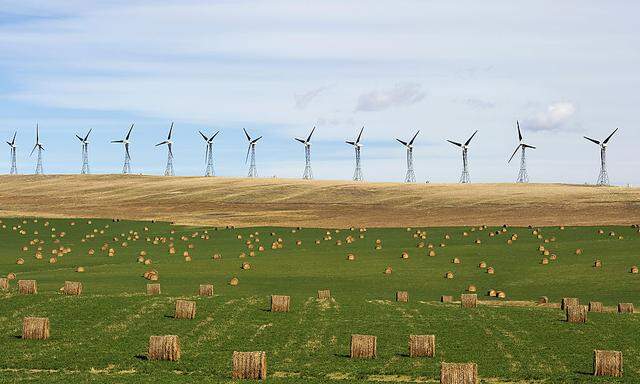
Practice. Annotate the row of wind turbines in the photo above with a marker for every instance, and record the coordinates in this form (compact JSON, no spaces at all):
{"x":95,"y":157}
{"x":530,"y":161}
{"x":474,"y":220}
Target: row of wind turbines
{"x":410,"y":177}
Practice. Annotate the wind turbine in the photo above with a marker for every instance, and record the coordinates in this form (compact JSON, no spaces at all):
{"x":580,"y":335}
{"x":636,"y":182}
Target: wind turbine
{"x":464,"y":178}
{"x":209,"y":153}
{"x":13,"y":147}
{"x":411,"y":176}
{"x":357,"y":174}
{"x":168,"y":171}
{"x":85,"y":153}
{"x":308,"y":174}
{"x":40,"y":148}
{"x":603,"y":177}
{"x":126,"y":168}
{"x":523,"y":177}
{"x":253,"y":172}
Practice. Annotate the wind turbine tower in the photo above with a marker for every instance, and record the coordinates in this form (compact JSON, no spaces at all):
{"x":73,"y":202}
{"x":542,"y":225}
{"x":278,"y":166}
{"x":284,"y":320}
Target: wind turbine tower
{"x":411,"y":175}
{"x":209,"y":153}
{"x":523,"y":177}
{"x":603,"y":177}
{"x":168,"y":171}
{"x":464,"y":178}
{"x":85,"y":153}
{"x":13,"y":147}
{"x":308,"y":173}
{"x":126,"y":168}
{"x":40,"y":148}
{"x":253,"y":172}
{"x":357,"y":174}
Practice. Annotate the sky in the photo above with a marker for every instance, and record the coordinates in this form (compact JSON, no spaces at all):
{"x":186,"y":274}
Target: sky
{"x":279,"y":68}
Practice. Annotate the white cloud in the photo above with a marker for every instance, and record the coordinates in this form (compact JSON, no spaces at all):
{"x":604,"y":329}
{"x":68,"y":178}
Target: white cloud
{"x":554,"y":118}
{"x":401,"y":94}
{"x":302,"y":100}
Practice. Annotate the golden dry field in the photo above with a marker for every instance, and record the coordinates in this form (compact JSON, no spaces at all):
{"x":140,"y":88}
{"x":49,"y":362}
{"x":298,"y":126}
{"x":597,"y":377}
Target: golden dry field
{"x":287,"y":202}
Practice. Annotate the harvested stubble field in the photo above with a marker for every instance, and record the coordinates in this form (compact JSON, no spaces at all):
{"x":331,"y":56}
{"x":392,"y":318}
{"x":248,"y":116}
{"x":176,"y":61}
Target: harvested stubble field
{"x":103,"y":334}
{"x":286,"y":202}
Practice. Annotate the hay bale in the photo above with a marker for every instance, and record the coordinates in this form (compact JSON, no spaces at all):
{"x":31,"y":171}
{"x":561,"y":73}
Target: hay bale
{"x":205,"y":290}
{"x":185,"y":309}
{"x":491,"y":271}
{"x":579,"y":251}
{"x":280,"y":303}
{"x":595,"y":306}
{"x":324,"y":294}
{"x":543,"y":300}
{"x":566,"y":301}
{"x":492,"y":293}
{"x":625,"y":308}
{"x":388,"y":270}
{"x":164,"y":348}
{"x":458,"y":373}
{"x":351,"y":257}
{"x":607,"y":363}
{"x":432,"y":253}
{"x":446,"y":299}
{"x":634,"y":269}
{"x":455,"y":260}
{"x":469,"y":300}
{"x":597,"y":264}
{"x":404,"y":255}
{"x":72,"y":288}
{"x":4,"y":284}
{"x":249,"y":365}
{"x":153,"y":289}
{"x":472,"y":288}
{"x":402,"y":296}
{"x":448,"y":275}
{"x":544,"y":261}
{"x":234,"y":281}
{"x":576,"y":314}
{"x":422,"y":345}
{"x":246,"y":266}
{"x":363,"y":346}
{"x":482,"y":265}
{"x":35,"y":328}
{"x":501,"y":295}
{"x":27,"y":287}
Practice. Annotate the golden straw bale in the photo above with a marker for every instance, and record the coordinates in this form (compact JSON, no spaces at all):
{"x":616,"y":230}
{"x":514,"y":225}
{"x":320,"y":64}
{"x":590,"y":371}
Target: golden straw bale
{"x":234,"y":281}
{"x":363,"y":346}
{"x":249,"y":365}
{"x":625,"y":308}
{"x":153,"y":289}
{"x":492,"y":293}
{"x":4,"y":284}
{"x":422,"y":345}
{"x":634,"y":269}
{"x":35,"y":328}
{"x":607,"y":363}
{"x":185,"y":309}
{"x":566,"y":301}
{"x":491,"y":271}
{"x":595,"y":306}
{"x":455,"y":260}
{"x":448,"y":275}
{"x":27,"y":287}
{"x":73,"y":288}
{"x":446,"y":299}
{"x":164,"y":348}
{"x":458,"y":373}
{"x":471,"y":288}
{"x":576,"y":314}
{"x":543,"y":300}
{"x":205,"y":290}
{"x":469,"y":300}
{"x":388,"y":270}
{"x":402,"y":296}
{"x":597,"y":264}
{"x":280,"y":303}
{"x":482,"y":265}
{"x":324,"y":294}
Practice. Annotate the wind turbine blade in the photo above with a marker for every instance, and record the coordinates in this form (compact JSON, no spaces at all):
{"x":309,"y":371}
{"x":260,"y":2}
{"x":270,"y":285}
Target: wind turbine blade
{"x":514,"y":153}
{"x":256,"y":140}
{"x":129,"y":133}
{"x":246,"y":134}
{"x":310,"y":134}
{"x":454,"y":143}
{"x":414,"y":138}
{"x":468,"y":141}
{"x":519,"y":132}
{"x":528,"y":146}
{"x":592,"y":140}
{"x":607,"y":139}
{"x":203,"y":136}
{"x":170,"y":151}
{"x":402,"y":142}
{"x":88,"y":133}
{"x":159,"y":144}
{"x":117,"y":141}
{"x":214,"y":135}
{"x":360,"y":135}
{"x":350,"y":142}
{"x":247,"y":157}
{"x":206,"y":153}
{"x":34,"y":148}
{"x":14,"y":138}
{"x":300,"y":140}
{"x":79,"y":138}
{"x":37,"y":133}
{"x":126,"y":149}
{"x":170,"y":131}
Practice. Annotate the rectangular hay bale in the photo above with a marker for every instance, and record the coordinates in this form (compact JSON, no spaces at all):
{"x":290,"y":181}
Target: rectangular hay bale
{"x":402,"y":296}
{"x":165,"y":347}
{"x":458,"y":373}
{"x":27,"y":287}
{"x":422,"y":345}
{"x":250,"y":365}
{"x":35,"y":328}
{"x":607,"y":363}
{"x":469,"y":300}
{"x":363,"y":346}
{"x":280,"y":303}
{"x":153,"y":289}
{"x":205,"y":290}
{"x":185,"y":309}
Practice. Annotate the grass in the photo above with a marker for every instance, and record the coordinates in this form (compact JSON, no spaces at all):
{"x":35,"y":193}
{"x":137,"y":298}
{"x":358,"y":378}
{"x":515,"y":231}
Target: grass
{"x":103,"y":334}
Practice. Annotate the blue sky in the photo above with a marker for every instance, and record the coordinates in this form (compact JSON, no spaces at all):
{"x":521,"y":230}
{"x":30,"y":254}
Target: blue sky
{"x":564,"y":69}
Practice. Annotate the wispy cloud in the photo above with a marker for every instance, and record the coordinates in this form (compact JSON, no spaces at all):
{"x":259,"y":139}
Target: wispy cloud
{"x":302,"y":100}
{"x":478,"y":103}
{"x":400,"y":94}
{"x":555,"y":117}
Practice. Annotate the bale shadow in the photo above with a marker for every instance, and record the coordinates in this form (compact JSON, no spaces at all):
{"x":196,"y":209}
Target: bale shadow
{"x":142,"y":357}
{"x":346,"y":355}
{"x":169,"y":316}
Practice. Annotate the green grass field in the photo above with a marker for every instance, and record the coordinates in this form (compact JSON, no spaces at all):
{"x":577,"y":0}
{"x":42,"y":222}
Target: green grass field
{"x":103,"y":334}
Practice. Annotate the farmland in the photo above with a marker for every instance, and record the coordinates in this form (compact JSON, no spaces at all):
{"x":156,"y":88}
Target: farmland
{"x":103,"y":333}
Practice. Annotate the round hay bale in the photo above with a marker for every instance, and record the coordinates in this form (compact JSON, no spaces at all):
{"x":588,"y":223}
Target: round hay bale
{"x":246,"y":266}
{"x":595,"y":306}
{"x":553,"y":257}
{"x":324,"y":294}
{"x":455,"y":260}
{"x":501,"y":295}
{"x":80,"y":269}
{"x":27,"y":287}
{"x":249,"y":365}
{"x":4,"y":284}
{"x":164,"y":348}
{"x":404,"y":255}
{"x":544,"y":261}
{"x":576,"y":314}
{"x":363,"y":346}
{"x":73,"y":288}
{"x":446,"y":299}
{"x":469,"y":300}
{"x":625,"y":308}
{"x":280,"y":303}
{"x":216,"y":256}
{"x":448,"y":275}
{"x":482,"y":265}
{"x":432,"y":253}
{"x":20,"y":261}
{"x":634,"y":269}
{"x":35,"y":328}
{"x":492,"y":293}
{"x":205,"y":290}
{"x":187,"y":259}
{"x":11,"y":276}
{"x":478,"y":241}
{"x":234,"y":281}
{"x":53,"y":260}
{"x":579,"y":251}
{"x":509,"y":241}
{"x":458,"y":373}
{"x":402,"y":296}
{"x":543,"y":300}
{"x":607,"y":363}
{"x":422,"y":345}
{"x":317,"y":242}
{"x":351,"y":257}
{"x":147,"y":261}
{"x":597,"y":264}
{"x":185,"y":309}
{"x":546,"y":252}
{"x":471,"y":288}
{"x":568,"y":301}
{"x":388,"y":270}
{"x":153,"y":289}
{"x":491,"y":271}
